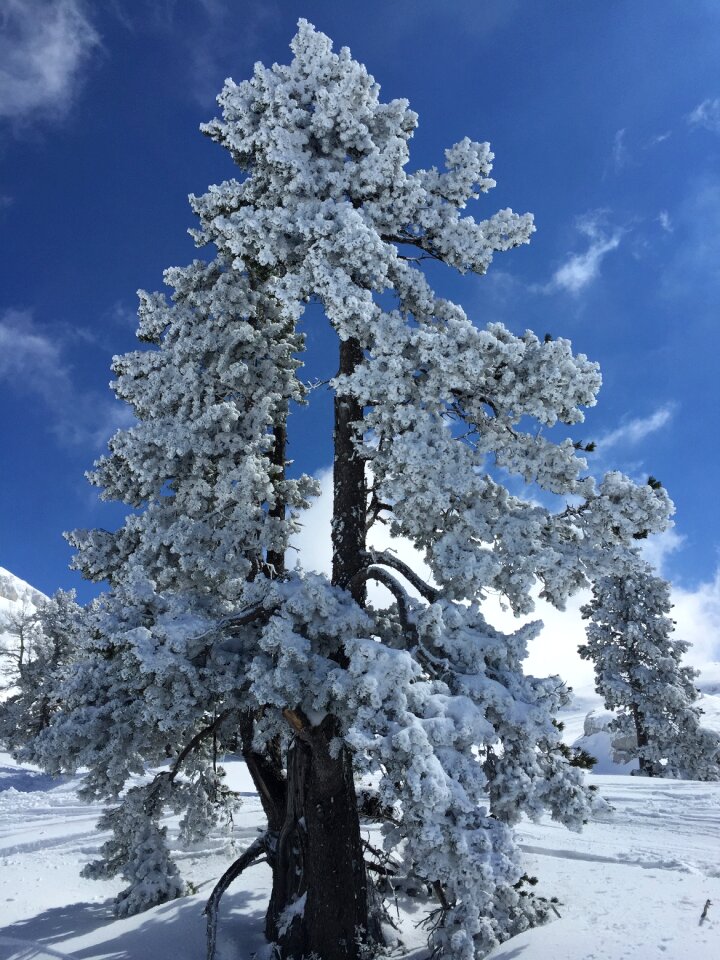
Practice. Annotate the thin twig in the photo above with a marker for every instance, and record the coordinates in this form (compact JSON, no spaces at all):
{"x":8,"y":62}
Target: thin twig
{"x":168,"y":776}
{"x":211,"y":729}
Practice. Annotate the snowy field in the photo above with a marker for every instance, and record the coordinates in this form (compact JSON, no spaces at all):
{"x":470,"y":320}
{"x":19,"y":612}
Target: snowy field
{"x":632,"y":885}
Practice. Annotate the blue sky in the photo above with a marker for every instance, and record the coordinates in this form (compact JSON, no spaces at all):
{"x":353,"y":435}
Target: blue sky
{"x":605,"y":122}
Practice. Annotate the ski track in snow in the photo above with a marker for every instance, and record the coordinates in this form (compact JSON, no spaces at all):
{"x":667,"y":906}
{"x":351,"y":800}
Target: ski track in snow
{"x":631,"y":885}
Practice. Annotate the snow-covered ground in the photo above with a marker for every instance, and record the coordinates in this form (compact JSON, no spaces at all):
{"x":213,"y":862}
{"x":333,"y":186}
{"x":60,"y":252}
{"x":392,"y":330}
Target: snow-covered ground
{"x":632,"y":885}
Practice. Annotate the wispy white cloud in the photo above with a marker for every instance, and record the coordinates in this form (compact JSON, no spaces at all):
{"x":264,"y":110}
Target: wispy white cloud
{"x":707,"y":115}
{"x":121,"y":314}
{"x":29,"y":358}
{"x":665,"y":222}
{"x":691,"y":273}
{"x":697,"y":615}
{"x":620,"y":155}
{"x":32,"y":364}
{"x":580,"y":269}
{"x":635,"y":430}
{"x":44,"y":45}
{"x":658,"y":138}
{"x":657,"y":548}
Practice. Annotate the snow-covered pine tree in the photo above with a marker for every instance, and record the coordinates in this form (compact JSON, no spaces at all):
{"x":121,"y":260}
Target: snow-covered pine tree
{"x":21,"y":632}
{"x":639,"y":673}
{"x":205,"y":635}
{"x":48,"y":637}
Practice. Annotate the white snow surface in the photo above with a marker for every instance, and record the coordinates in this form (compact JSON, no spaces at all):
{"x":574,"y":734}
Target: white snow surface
{"x":633,"y":884}
{"x":16,"y":594}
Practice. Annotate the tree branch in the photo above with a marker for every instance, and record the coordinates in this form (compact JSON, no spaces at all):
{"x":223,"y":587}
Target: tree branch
{"x":397,"y":590}
{"x":299,"y":722}
{"x":254,"y":852}
{"x":431,"y":594}
{"x":413,"y":241}
{"x":257,"y":614}
{"x":375,"y":508}
{"x":168,"y":776}
{"x":377,"y":868}
{"x":197,"y":740}
{"x":266,"y":772}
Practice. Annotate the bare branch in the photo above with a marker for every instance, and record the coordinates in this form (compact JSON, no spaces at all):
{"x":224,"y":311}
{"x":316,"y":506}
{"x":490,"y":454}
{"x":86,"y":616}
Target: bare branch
{"x":375,"y":508}
{"x":377,"y":868}
{"x":197,"y":740}
{"x":431,"y":594}
{"x":397,"y":590}
{"x":168,"y":776}
{"x":295,"y":721}
{"x":254,"y":853}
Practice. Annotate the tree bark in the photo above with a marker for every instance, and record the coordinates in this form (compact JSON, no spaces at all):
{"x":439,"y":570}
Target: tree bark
{"x":319,"y":882}
{"x":647,"y":768}
{"x":276,"y":558}
{"x":349,"y":491}
{"x":320,"y":894}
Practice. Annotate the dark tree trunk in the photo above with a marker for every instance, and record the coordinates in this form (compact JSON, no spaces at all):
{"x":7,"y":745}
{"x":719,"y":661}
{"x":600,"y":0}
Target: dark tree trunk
{"x":349,"y":492}
{"x":276,"y":558}
{"x":318,"y":859}
{"x":647,"y":768}
{"x":266,"y":771}
{"x":320,"y":895}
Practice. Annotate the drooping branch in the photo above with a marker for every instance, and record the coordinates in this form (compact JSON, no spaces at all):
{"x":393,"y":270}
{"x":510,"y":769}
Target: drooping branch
{"x":431,"y":594}
{"x":266,"y":771}
{"x":168,"y":776}
{"x":201,"y":735}
{"x":254,"y":853}
{"x":397,"y":590}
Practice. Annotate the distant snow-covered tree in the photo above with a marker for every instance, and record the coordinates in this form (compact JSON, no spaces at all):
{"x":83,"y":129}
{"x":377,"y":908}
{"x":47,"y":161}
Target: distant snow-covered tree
{"x":21,"y":630}
{"x":205,"y":640}
{"x":48,"y":636}
{"x":639,"y":674}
